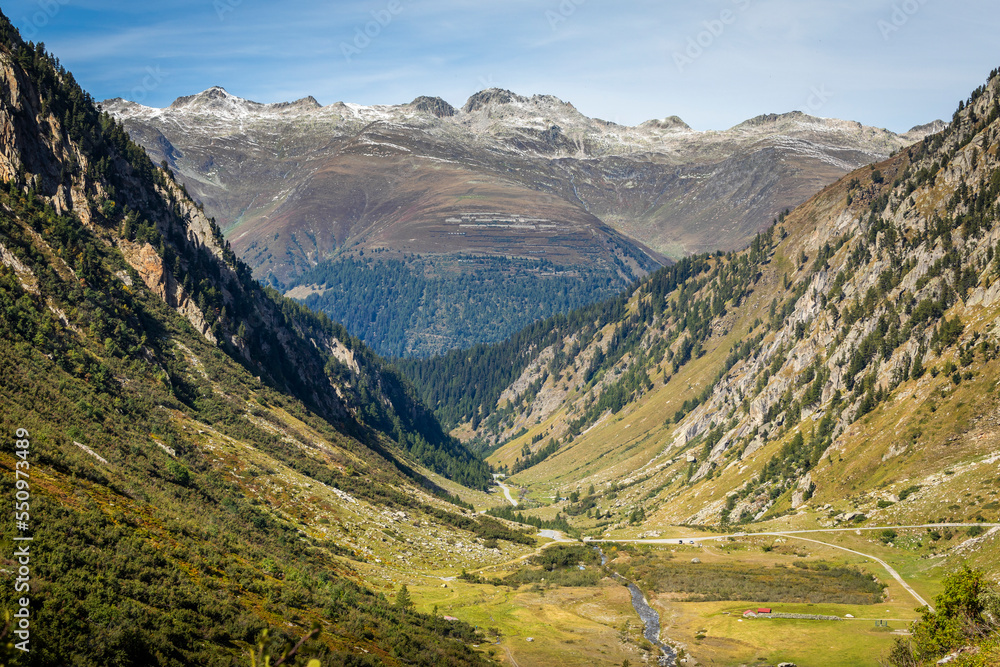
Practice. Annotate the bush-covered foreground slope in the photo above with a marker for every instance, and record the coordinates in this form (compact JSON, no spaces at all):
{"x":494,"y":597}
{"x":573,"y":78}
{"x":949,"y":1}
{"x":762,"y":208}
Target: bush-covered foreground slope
{"x":842,"y":369}
{"x":205,"y":460}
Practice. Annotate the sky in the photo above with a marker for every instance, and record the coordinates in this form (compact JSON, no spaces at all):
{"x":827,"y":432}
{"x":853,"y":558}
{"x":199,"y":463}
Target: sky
{"x":714,"y":63}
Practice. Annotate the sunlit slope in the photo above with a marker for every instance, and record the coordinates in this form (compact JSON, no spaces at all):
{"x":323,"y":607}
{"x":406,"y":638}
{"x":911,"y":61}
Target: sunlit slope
{"x":848,"y":358}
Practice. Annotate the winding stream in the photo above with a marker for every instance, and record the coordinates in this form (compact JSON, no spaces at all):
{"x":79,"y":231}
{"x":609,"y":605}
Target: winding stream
{"x":650,"y":618}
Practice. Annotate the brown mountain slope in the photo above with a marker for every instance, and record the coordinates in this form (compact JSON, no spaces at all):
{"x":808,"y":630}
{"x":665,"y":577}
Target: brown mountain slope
{"x":304,"y":192}
{"x":292,"y":184}
{"x":659,"y":182}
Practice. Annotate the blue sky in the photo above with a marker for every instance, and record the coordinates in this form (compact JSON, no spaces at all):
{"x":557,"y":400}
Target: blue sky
{"x":714,"y":63}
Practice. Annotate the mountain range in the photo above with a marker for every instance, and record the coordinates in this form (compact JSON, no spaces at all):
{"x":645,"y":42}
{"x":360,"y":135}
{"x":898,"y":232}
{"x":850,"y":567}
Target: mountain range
{"x":504,"y":191}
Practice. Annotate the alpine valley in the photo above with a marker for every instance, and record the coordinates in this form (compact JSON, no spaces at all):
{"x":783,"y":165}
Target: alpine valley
{"x":785,"y":446}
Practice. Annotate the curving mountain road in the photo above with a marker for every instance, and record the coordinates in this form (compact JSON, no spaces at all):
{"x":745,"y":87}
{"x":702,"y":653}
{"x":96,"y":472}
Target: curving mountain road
{"x":506,"y":492}
{"x":888,"y":568}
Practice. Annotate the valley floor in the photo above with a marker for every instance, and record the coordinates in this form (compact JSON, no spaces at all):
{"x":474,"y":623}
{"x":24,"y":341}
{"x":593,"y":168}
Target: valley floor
{"x":544,"y":623}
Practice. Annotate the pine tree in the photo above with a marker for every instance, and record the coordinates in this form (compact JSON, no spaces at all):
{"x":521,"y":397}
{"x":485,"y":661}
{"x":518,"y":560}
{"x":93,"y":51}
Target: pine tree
{"x":403,"y":599}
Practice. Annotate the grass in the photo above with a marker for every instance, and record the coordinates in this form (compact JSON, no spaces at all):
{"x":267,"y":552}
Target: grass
{"x":989,"y":654}
{"x":568,"y":626}
{"x":581,"y":625}
{"x":730,"y":639}
{"x":560,"y":566}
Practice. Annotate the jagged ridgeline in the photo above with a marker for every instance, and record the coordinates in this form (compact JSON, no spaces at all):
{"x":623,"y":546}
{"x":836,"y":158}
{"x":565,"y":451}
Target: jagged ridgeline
{"x":206,"y":457}
{"x":851,"y":347}
{"x":424,"y":228}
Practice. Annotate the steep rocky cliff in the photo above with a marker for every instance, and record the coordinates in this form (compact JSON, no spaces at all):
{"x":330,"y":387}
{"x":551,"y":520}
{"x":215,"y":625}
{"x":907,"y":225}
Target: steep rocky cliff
{"x":81,"y":162}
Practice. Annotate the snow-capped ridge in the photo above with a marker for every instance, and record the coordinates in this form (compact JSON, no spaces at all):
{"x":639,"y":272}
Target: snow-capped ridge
{"x":214,"y":96}
{"x":434,"y":106}
{"x":791,"y":117}
{"x":305,"y":103}
{"x":491,"y":97}
{"x":217,"y":101}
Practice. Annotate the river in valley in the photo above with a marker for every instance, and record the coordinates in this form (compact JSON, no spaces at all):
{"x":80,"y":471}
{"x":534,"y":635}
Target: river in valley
{"x":650,"y":618}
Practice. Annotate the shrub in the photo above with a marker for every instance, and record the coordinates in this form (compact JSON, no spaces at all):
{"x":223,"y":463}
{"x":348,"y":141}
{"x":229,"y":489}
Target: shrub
{"x":964,"y":611}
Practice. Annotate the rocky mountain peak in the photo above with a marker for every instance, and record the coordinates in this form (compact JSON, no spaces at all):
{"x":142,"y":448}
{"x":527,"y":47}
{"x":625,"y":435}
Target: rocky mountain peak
{"x":550,"y":100}
{"x":774,"y":119}
{"x":669,"y":123}
{"x":212,"y":96}
{"x":307,"y":103}
{"x":918,"y":132}
{"x":217,"y":101}
{"x":434,"y":106}
{"x":929,"y":128}
{"x":490,"y":97}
